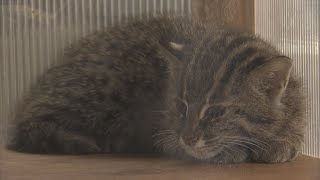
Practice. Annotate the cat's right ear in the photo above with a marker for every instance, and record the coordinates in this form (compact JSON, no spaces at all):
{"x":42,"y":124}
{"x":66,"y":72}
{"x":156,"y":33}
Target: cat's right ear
{"x":272,"y":77}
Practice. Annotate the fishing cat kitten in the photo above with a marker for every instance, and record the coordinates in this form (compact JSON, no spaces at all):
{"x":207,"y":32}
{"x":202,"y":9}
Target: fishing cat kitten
{"x":171,"y":85}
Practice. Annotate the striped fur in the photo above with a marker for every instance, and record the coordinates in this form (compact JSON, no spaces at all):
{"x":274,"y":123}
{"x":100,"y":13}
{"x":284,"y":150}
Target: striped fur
{"x":171,"y":85}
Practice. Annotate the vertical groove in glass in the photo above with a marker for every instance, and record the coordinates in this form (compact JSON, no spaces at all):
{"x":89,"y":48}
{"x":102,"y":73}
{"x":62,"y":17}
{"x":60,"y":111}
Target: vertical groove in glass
{"x":98,"y":14}
{"x":161,"y":6}
{"x":294,"y":28}
{"x":147,"y":7}
{"x":140,"y":8}
{"x":175,"y":5}
{"x":4,"y":76}
{"x":19,"y":67}
{"x":13,"y":61}
{"x":105,"y":21}
{"x":68,"y":20}
{"x":90,"y":16}
{"x":83,"y":12}
{"x":49,"y":38}
{"x":112,"y":12}
{"x":154,"y":7}
{"x":119,"y":11}
{"x":39,"y":40}
{"x":133,"y":6}
{"x":55,"y":37}
{"x":76,"y":18}
{"x":126,"y":8}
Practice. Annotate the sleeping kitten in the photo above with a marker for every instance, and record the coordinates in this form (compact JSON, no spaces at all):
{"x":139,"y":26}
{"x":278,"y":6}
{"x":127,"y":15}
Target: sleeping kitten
{"x":170,"y":85}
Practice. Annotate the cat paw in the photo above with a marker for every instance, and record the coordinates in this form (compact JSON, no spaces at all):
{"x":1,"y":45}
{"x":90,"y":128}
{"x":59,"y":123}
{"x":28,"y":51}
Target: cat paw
{"x":44,"y":137}
{"x":76,"y":144}
{"x":279,"y":155}
{"x":80,"y":147}
{"x":284,"y":156}
{"x":230,"y":158}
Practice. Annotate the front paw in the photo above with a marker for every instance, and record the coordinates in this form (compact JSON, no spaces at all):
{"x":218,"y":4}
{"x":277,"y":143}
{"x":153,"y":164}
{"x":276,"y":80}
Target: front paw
{"x":69,"y":143}
{"x":230,"y":158}
{"x":79,"y":146}
{"x":277,"y":154}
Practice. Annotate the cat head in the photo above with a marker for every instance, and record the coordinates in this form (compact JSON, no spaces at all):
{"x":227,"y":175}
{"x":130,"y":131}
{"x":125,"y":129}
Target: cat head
{"x":226,"y":104}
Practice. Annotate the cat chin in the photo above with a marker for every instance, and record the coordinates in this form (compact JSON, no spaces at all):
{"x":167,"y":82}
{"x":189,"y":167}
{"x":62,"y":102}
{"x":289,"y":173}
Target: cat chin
{"x":199,"y":151}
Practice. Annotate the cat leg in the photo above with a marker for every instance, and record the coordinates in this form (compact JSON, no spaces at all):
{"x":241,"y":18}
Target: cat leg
{"x":40,"y":136}
{"x":120,"y":138}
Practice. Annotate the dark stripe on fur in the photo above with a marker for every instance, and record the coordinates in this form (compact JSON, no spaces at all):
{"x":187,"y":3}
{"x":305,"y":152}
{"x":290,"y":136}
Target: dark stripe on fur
{"x":237,"y":60}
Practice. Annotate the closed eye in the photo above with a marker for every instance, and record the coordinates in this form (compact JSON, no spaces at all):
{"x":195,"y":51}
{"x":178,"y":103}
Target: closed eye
{"x":182,"y":107}
{"x":215,"y":111}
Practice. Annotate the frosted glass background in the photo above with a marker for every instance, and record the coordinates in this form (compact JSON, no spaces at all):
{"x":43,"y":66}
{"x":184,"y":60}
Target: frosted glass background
{"x":34,"y":32}
{"x":293,"y":26}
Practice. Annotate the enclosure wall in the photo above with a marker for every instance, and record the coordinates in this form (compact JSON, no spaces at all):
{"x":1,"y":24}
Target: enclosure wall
{"x":293,"y":26}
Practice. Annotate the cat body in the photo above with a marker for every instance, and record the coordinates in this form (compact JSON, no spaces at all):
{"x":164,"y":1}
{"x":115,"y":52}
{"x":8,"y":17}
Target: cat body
{"x":170,"y":85}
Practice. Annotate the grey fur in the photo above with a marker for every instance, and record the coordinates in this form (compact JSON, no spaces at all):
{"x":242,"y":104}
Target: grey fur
{"x":170,"y":85}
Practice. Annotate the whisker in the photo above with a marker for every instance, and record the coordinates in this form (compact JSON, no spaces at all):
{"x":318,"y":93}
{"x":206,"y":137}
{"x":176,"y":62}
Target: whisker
{"x":239,"y":144}
{"x":236,"y":149}
{"x":244,"y":142}
{"x":165,"y":130}
{"x":226,"y":151}
{"x":214,"y":146}
{"x":256,"y":140}
{"x":208,"y":146}
{"x":210,"y":140}
{"x":266,"y":131}
{"x":161,"y":141}
{"x":161,"y":133}
{"x":160,"y":111}
{"x":252,"y":140}
{"x":262,"y":143}
{"x":169,"y":144}
{"x":174,"y":146}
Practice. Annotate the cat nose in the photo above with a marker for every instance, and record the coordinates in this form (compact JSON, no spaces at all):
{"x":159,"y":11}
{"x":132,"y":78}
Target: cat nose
{"x":190,"y":140}
{"x":191,"y":136}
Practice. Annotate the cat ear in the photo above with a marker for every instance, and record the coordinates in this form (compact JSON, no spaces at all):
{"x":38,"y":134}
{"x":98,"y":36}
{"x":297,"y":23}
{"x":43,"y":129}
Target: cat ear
{"x":176,"y":46}
{"x":272,"y":77}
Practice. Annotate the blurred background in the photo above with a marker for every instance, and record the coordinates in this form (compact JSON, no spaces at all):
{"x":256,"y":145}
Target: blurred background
{"x":33,"y":34}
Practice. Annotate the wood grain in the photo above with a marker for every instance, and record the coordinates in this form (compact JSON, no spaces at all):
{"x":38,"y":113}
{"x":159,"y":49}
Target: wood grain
{"x":18,"y":166}
{"x":237,"y":14}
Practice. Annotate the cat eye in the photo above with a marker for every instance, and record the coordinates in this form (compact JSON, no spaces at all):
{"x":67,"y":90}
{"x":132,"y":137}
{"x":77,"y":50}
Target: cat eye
{"x":240,"y":112}
{"x":215,"y":111}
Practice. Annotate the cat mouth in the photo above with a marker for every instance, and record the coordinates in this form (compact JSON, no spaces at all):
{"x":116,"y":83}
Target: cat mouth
{"x":199,"y":150}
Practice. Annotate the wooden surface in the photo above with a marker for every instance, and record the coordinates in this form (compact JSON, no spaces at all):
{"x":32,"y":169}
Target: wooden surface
{"x":238,"y":14}
{"x":18,"y":166}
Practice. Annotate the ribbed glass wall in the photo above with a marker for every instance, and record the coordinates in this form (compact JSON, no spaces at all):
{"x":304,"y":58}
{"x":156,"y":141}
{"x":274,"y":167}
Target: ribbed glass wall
{"x":294,"y":27}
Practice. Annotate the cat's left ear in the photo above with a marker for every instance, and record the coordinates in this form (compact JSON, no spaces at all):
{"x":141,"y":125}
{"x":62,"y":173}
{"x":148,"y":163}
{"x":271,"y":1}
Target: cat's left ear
{"x":176,"y":46}
{"x":173,"y":52}
{"x":272,"y":77}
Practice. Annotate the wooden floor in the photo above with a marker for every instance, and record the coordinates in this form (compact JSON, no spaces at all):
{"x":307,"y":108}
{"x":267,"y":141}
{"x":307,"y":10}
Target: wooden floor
{"x":18,"y":166}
